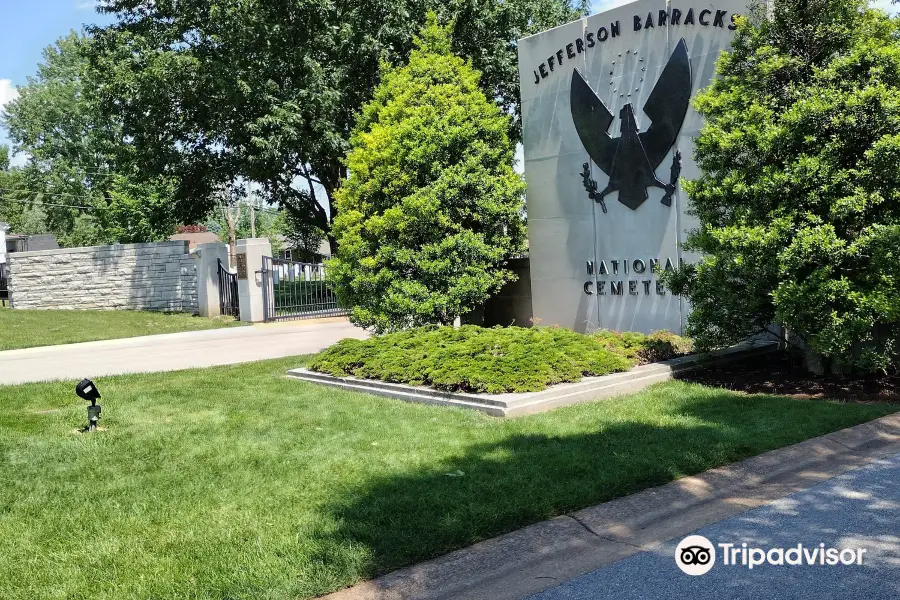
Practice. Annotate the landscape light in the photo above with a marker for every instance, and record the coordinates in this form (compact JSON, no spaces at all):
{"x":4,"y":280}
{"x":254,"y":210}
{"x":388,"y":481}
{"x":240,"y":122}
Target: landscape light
{"x":87,"y":390}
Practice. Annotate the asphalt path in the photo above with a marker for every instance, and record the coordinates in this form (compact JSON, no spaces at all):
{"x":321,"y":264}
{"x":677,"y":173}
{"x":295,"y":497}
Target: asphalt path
{"x":171,"y":352}
{"x":859,"y":509}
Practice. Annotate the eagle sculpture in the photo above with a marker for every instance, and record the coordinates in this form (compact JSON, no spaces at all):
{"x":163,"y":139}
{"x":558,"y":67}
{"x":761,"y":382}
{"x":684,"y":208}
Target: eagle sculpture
{"x":631,"y":159}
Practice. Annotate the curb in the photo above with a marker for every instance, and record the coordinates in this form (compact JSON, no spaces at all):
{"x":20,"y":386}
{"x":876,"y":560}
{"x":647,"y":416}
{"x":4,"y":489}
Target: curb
{"x":514,"y":405}
{"x":302,"y":322}
{"x":546,"y":554}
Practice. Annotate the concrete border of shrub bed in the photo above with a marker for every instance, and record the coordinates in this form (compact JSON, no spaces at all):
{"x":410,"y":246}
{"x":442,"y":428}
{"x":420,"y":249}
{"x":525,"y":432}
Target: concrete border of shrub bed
{"x":564,"y":394}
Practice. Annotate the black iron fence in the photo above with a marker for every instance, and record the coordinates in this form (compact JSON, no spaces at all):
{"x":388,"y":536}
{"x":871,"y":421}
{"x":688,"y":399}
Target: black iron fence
{"x":228,"y":292}
{"x":297,"y":290}
{"x":4,"y":283}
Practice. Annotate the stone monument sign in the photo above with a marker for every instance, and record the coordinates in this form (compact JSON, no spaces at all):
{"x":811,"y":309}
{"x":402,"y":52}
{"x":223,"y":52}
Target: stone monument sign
{"x":608,"y":129}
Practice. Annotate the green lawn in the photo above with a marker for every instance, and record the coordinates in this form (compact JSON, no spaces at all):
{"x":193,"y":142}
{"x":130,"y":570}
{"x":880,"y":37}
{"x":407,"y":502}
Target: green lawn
{"x":235,"y":482}
{"x":28,"y":328}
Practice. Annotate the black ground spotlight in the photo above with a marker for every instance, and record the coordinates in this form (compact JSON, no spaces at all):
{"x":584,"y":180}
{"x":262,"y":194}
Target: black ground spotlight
{"x":87,"y":390}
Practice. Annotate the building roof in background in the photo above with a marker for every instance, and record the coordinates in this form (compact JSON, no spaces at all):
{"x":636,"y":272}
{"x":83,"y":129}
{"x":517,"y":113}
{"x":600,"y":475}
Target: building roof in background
{"x":193,"y":239}
{"x":31,"y":243}
{"x":45,"y":241}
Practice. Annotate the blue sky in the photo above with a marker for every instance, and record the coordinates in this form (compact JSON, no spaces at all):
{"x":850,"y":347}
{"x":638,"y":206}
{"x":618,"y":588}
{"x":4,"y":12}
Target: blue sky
{"x":28,"y":26}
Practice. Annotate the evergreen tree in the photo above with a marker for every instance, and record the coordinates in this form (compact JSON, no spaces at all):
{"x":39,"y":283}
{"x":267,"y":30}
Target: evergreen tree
{"x":432,"y":207}
{"x":799,"y":197}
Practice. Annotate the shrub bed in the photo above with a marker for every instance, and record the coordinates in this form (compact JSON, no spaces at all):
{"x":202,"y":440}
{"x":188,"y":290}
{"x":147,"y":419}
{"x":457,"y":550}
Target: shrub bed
{"x":643,"y":348}
{"x":495,"y":360}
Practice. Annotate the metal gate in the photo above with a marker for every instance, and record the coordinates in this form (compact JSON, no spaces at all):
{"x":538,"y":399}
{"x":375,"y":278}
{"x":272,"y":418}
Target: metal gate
{"x":297,"y":290}
{"x":228,"y":292}
{"x":4,"y":284}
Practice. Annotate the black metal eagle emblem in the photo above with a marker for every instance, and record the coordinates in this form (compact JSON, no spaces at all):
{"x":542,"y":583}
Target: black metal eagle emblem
{"x":631,"y":159}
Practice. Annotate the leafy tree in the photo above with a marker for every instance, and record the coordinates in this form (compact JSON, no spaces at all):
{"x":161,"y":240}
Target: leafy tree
{"x":300,"y":233}
{"x":81,"y":173}
{"x":432,"y":206}
{"x":10,"y":180}
{"x":137,"y":211}
{"x":215,"y":91}
{"x":31,"y":221}
{"x":240,"y":213}
{"x":799,"y":197}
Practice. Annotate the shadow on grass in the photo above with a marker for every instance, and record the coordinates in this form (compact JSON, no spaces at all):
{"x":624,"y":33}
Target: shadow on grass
{"x":527,"y":477}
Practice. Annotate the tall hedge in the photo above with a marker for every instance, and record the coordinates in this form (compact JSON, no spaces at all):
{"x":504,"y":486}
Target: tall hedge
{"x":432,"y":207}
{"x":799,"y":197}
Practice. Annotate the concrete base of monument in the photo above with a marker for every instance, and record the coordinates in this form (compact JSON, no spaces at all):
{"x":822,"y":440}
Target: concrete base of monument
{"x":565,"y":394}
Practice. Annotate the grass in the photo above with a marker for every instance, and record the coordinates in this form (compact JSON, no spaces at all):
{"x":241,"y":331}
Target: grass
{"x":235,"y":482}
{"x":29,"y":328}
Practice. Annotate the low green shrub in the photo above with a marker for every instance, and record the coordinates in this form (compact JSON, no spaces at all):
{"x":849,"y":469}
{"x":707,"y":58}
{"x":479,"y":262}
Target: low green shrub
{"x":496,"y":360}
{"x":643,"y":348}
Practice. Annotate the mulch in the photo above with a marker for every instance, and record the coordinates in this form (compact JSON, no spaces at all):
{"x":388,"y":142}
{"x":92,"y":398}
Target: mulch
{"x":783,"y":374}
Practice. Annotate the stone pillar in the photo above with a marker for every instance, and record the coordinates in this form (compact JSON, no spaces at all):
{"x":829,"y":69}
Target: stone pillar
{"x":249,"y":255}
{"x":207,"y":260}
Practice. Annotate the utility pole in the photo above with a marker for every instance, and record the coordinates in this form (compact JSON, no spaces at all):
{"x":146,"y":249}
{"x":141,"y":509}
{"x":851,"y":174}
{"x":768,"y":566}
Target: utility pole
{"x":231,"y":211}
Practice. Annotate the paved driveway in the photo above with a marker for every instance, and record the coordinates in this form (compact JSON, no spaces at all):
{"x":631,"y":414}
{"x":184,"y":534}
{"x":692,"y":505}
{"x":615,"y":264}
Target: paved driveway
{"x":171,"y":352}
{"x":859,"y":509}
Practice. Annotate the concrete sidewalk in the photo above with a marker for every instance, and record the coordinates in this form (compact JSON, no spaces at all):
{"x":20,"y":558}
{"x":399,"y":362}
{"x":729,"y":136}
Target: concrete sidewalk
{"x":545,"y":555}
{"x":856,"y":511}
{"x":171,"y":352}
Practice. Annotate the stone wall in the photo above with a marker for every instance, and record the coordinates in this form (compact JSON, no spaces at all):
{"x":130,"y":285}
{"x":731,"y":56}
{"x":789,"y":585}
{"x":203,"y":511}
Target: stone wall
{"x":158,"y":276}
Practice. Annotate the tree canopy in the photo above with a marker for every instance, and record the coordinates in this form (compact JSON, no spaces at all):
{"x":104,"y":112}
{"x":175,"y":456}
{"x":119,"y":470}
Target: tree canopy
{"x":799,"y":197}
{"x":81,"y":181}
{"x":432,"y":207}
{"x":267,"y":91}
